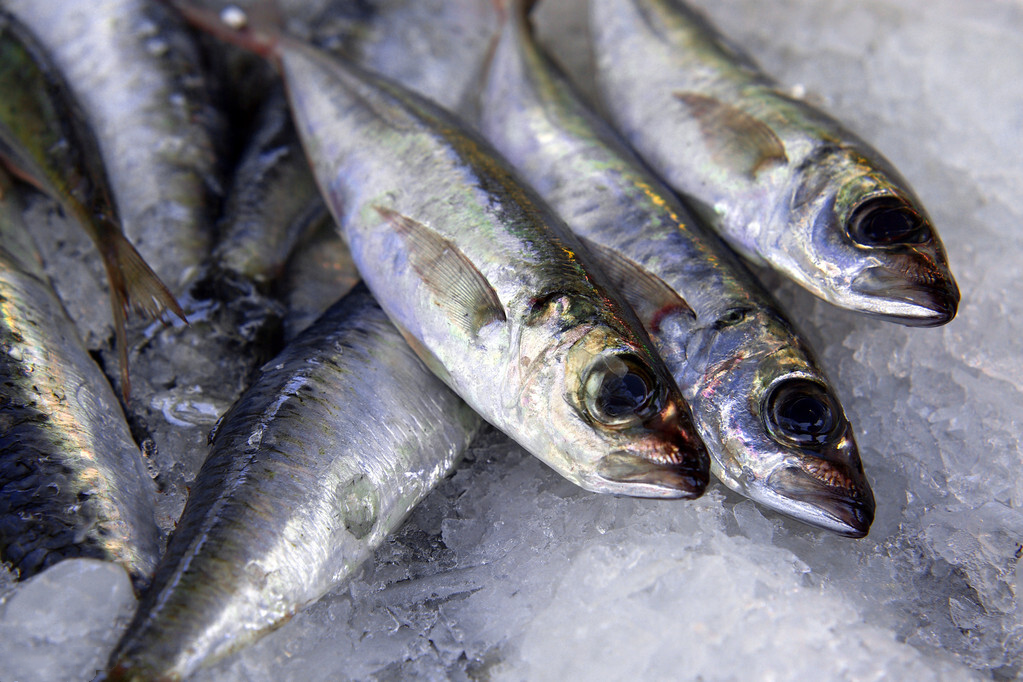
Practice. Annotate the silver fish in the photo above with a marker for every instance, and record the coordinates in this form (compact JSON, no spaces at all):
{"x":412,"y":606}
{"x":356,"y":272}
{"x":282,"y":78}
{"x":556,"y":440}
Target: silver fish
{"x":273,"y":199}
{"x":486,"y":284}
{"x":783,"y":182}
{"x":489,"y":286}
{"x":321,"y":459}
{"x":319,"y":271}
{"x":135,"y":70}
{"x":72,"y":480}
{"x":773,"y":425}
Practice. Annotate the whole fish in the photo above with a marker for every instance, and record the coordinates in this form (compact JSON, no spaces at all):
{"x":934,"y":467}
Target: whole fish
{"x":783,"y":182}
{"x":135,"y":70}
{"x":45,"y":139}
{"x":773,"y":426}
{"x":322,"y":458}
{"x":486,"y":284}
{"x":72,"y":480}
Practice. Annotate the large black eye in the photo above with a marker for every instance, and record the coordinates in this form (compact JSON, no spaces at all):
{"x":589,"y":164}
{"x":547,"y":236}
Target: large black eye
{"x":886,"y":221}
{"x":803,"y":412}
{"x":619,"y":389}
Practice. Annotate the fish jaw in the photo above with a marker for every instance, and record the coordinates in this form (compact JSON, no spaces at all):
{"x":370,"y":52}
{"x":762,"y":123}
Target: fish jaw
{"x":891,"y":295}
{"x":834,"y":501}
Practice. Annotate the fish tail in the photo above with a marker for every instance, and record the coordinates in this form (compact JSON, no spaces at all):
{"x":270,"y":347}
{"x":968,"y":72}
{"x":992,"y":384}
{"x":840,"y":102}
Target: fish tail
{"x":258,"y":28}
{"x":133,"y":284}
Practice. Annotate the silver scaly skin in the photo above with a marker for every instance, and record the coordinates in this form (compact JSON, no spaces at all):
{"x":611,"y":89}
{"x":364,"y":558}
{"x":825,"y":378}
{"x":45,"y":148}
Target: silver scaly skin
{"x":781,"y":181}
{"x":135,"y":70}
{"x":72,"y":480}
{"x":317,"y":463}
{"x":273,"y":199}
{"x":488,"y":286}
{"x":773,"y":427}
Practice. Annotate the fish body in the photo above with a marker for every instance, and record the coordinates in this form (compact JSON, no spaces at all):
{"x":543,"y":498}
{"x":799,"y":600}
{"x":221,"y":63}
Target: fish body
{"x":322,"y":458}
{"x":747,"y":373}
{"x":45,"y":138}
{"x":135,"y":70}
{"x":784,"y":183}
{"x":72,"y":480}
{"x":488,"y":286}
{"x":273,"y":199}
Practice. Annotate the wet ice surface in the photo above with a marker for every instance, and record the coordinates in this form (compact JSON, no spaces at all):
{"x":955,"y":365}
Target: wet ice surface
{"x":508,"y":572}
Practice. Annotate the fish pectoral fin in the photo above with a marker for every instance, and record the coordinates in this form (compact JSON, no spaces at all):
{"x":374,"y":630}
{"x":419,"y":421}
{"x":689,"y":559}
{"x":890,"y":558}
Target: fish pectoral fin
{"x":133,"y":284}
{"x":733,"y":135}
{"x":460,"y":289}
{"x":649,"y":295}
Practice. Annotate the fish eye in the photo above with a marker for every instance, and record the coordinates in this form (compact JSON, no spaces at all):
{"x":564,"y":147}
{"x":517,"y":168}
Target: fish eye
{"x":803,"y":412}
{"x":620,"y":389}
{"x":886,"y":221}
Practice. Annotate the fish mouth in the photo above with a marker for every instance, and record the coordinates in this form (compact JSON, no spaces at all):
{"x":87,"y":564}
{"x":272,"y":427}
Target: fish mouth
{"x":901,"y":298}
{"x":846,"y":509}
{"x":629,"y":474}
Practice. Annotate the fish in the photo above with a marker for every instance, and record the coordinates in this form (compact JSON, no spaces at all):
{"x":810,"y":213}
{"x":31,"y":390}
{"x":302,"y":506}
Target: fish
{"x":489,"y":288}
{"x":135,"y":70}
{"x":273,"y":200}
{"x":45,"y":140}
{"x":73,"y":482}
{"x":772,"y":422}
{"x":322,"y":458}
{"x":783,"y":182}
{"x":319,"y":271}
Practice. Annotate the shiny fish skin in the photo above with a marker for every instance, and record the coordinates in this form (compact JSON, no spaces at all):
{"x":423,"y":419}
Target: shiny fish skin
{"x":273,"y":199}
{"x":135,"y":70}
{"x":783,"y":182}
{"x":729,"y":346}
{"x":72,"y":480}
{"x":322,"y":458}
{"x":488,"y":286}
{"x":45,"y":138}
{"x":432,"y":47}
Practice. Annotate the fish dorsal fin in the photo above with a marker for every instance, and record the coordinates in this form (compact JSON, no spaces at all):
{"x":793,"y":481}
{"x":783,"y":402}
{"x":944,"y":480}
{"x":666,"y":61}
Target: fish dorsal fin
{"x":649,"y":295}
{"x":461,"y":289}
{"x":733,"y":135}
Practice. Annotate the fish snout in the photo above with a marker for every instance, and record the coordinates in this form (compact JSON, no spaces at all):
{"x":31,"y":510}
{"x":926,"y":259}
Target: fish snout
{"x":664,"y":469}
{"x":826,"y":494}
{"x":916,"y":296}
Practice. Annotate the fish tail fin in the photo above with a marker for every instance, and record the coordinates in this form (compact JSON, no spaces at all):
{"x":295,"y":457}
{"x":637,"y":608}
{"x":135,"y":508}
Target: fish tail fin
{"x":133,"y":284}
{"x":257,"y":28}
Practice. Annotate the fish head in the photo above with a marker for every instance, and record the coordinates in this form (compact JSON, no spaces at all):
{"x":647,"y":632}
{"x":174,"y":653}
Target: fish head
{"x":616,"y":421}
{"x":863,"y":241}
{"x":779,"y":436}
